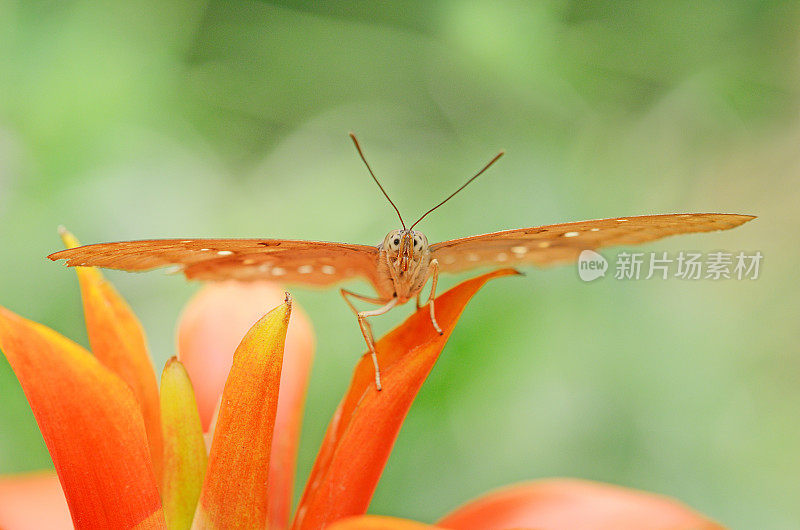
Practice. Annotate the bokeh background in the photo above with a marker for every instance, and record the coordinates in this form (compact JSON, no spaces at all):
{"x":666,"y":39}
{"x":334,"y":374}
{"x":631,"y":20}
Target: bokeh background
{"x":169,"y":118}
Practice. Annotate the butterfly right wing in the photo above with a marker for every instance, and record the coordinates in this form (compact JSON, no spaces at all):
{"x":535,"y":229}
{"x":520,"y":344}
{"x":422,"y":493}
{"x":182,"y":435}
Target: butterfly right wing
{"x":545,"y":245}
{"x":315,"y":263}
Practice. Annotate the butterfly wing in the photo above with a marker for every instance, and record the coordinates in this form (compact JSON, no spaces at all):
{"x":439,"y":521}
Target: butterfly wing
{"x":544,"y":245}
{"x":304,"y":262}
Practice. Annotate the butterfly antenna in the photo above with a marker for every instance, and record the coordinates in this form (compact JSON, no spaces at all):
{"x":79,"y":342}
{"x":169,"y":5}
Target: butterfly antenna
{"x":478,"y":174}
{"x":358,"y":148}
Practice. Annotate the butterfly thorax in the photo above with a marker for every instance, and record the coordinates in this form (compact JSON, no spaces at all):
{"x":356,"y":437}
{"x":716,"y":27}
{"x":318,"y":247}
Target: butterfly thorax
{"x":403,"y":264}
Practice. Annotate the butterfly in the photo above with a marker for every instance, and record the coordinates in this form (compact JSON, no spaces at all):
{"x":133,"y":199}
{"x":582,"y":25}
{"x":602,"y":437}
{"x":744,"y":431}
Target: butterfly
{"x":400,"y":266}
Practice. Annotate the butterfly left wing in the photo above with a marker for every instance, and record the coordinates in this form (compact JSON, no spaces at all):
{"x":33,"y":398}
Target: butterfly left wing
{"x":544,"y":245}
{"x":305,"y":262}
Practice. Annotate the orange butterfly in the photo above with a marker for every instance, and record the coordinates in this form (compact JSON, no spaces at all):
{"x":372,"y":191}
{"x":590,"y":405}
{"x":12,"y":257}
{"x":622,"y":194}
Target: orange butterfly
{"x":400,"y":266}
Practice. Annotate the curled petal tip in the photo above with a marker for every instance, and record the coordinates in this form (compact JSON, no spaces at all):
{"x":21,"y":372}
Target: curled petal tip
{"x":286,"y":308}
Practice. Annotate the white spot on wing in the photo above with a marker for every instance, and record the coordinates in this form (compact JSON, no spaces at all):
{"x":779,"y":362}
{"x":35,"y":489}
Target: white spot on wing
{"x":204,"y":249}
{"x":622,"y":220}
{"x":520,"y":250}
{"x":278,"y":271}
{"x":595,"y":229}
{"x":305,"y":269}
{"x":502,"y":257}
{"x":328,"y":269}
{"x":224,"y":253}
{"x":571,"y":234}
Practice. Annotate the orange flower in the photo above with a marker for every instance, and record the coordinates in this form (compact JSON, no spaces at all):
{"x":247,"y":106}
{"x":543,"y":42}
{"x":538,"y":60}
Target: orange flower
{"x":129,"y":454}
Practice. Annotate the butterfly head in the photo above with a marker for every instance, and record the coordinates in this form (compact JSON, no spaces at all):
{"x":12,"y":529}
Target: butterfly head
{"x":405,"y":248}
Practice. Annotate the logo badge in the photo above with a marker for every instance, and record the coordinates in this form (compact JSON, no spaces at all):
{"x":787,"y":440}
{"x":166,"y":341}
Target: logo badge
{"x":591,"y":265}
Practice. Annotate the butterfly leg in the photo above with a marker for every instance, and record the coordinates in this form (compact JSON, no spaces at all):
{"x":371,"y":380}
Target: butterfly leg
{"x":433,"y":273}
{"x":345,"y":293}
{"x":366,"y":329}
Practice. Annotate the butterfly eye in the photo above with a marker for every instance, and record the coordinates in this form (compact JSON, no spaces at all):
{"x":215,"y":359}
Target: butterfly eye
{"x":396,"y":241}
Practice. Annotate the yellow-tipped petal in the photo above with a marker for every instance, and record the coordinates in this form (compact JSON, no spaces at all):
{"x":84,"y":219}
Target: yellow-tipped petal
{"x":210,"y":328}
{"x":117,"y":340}
{"x":184,"y":449}
{"x":235,"y":492}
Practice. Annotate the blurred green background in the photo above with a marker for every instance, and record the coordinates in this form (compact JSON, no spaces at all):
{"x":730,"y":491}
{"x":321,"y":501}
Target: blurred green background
{"x":129,"y":120}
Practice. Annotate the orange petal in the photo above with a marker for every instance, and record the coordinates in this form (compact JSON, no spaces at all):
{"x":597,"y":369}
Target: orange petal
{"x":184,"y":448}
{"x":117,"y":339}
{"x":33,"y":501}
{"x":235,"y":489}
{"x":378,"y":522}
{"x":211,"y":327}
{"x":571,"y":504}
{"x":91,"y":423}
{"x":297,"y":360}
{"x":363,"y":430}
